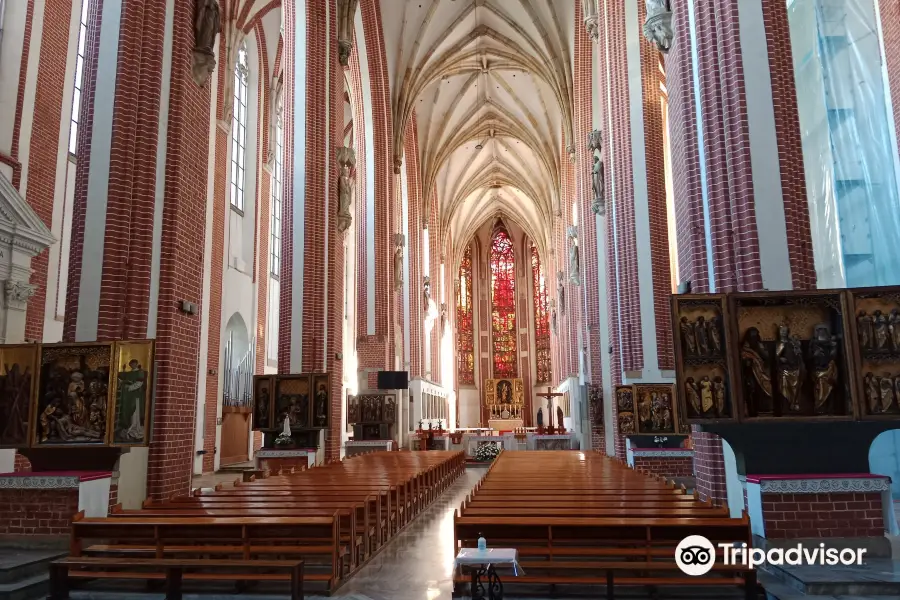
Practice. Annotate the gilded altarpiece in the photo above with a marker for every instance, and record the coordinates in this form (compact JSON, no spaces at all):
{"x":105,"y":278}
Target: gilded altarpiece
{"x":789,"y":356}
{"x":504,"y":398}
{"x":625,"y":409}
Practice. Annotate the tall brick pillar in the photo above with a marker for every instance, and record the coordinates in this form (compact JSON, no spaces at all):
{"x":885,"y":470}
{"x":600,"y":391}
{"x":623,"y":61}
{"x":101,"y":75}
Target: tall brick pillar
{"x":140,"y":210}
{"x":312,"y":288}
{"x":634,"y":227}
{"x":737,"y":162}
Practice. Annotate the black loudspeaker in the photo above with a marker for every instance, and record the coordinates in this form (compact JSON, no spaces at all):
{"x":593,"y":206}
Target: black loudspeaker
{"x":393,"y":380}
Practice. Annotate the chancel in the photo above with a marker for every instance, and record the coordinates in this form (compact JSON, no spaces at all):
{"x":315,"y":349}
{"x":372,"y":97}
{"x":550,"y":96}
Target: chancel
{"x":307,"y":297}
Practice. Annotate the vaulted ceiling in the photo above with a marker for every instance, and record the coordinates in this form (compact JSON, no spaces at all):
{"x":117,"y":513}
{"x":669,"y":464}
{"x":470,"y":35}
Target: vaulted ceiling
{"x":491,"y":87}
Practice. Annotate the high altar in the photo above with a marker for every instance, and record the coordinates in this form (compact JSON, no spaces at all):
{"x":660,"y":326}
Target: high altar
{"x":504,"y":403}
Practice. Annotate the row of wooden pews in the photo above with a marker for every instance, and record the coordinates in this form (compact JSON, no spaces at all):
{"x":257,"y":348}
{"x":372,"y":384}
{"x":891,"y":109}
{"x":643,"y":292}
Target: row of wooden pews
{"x":582,"y":519}
{"x":313,"y":529}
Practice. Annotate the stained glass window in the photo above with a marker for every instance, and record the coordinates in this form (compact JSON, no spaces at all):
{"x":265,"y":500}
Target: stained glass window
{"x":465,"y":337}
{"x":541,"y":319}
{"x":239,"y":128}
{"x":503,"y":301}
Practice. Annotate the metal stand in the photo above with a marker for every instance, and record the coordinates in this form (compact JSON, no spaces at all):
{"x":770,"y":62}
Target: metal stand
{"x":486,"y":575}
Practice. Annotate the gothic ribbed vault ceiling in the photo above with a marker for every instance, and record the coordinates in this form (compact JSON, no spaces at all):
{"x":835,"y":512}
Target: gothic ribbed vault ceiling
{"x":494,"y":73}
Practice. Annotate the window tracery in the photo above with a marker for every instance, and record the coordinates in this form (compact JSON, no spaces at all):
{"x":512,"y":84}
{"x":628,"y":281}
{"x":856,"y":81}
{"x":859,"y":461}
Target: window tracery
{"x":503,"y":305}
{"x":541,"y":319}
{"x":465,"y":336}
{"x":239,"y":128}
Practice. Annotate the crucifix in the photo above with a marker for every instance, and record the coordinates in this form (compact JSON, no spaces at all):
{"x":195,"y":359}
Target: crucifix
{"x":550,"y":395}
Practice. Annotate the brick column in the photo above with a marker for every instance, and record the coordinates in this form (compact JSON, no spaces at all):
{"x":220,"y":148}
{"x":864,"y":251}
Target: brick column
{"x":138,"y":222}
{"x":312,"y":286}
{"x":743,"y":122}
{"x":637,"y":283}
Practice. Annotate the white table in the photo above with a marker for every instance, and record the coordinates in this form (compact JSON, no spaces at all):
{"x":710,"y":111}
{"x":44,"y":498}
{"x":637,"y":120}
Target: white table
{"x":483,"y":572}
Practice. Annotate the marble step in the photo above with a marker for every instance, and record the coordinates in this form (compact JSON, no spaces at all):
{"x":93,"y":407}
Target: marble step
{"x":878,"y":578}
{"x":29,"y":588}
{"x":19,"y":564}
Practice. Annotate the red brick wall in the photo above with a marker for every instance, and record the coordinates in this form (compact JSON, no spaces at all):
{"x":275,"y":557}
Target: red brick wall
{"x":684,"y":148}
{"x":627,"y":290}
{"x":22,"y":463}
{"x":823,"y":515}
{"x":890,"y":24}
{"x":83,"y":150}
{"x":128,"y":244}
{"x":666,"y":466}
{"x":181,"y":269}
{"x":44,"y":148}
{"x":37,"y":512}
{"x":709,"y":466}
{"x":790,"y":144}
{"x":373,"y":351}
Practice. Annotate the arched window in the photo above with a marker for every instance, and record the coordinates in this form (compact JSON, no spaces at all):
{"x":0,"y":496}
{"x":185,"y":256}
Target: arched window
{"x":239,"y":128}
{"x":503,"y":299}
{"x":79,"y":75}
{"x":541,"y":319}
{"x":465,"y":337}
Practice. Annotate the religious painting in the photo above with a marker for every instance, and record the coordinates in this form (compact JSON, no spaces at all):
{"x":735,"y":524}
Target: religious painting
{"x":390,"y":408}
{"x":595,"y":398}
{"x":702,"y":339}
{"x":263,"y":412}
{"x":875,"y":333}
{"x":656,"y":413}
{"x":131,"y":413}
{"x":792,"y":356}
{"x":292,"y":400}
{"x":370,"y":408}
{"x":625,"y":406}
{"x":352,"y":409}
{"x":17,"y":381}
{"x":73,"y":391}
{"x":321,"y":404}
{"x":504,"y":392}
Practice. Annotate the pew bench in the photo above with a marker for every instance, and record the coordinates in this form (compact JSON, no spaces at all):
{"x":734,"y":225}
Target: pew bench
{"x":315,"y":540}
{"x":609,"y":551}
{"x":174,"y":572}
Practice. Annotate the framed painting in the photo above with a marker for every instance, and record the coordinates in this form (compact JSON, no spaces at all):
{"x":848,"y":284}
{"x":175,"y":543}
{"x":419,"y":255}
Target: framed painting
{"x":656,"y":412}
{"x":263,"y":413}
{"x":321,"y":400}
{"x":875,"y":337}
{"x":18,"y":365}
{"x":703,"y":369}
{"x":625,"y":407}
{"x":352,"y":409}
{"x":133,"y":395}
{"x":74,"y":384}
{"x":292,"y":401}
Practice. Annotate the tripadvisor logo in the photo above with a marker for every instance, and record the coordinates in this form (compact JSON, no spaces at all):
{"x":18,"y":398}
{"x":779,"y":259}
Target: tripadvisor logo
{"x":695,"y":555}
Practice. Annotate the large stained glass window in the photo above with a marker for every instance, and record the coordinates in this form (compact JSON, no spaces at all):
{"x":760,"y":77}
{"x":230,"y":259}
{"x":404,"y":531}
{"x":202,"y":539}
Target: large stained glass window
{"x":503,"y":301}
{"x":465,"y":336}
{"x":541,"y":319}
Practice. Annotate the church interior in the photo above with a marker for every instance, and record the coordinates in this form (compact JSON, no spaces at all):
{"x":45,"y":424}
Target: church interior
{"x":433,"y":299}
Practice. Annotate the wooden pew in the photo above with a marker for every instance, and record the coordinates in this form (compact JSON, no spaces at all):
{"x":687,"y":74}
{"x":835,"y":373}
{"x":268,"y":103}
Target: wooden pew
{"x":593,"y":522}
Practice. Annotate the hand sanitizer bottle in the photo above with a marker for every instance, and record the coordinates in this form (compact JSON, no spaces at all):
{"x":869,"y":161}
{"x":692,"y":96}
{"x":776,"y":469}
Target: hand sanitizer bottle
{"x":482,"y":543}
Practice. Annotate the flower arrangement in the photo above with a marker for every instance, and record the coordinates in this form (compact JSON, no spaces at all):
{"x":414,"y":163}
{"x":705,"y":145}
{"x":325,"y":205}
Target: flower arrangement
{"x":487,"y":452}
